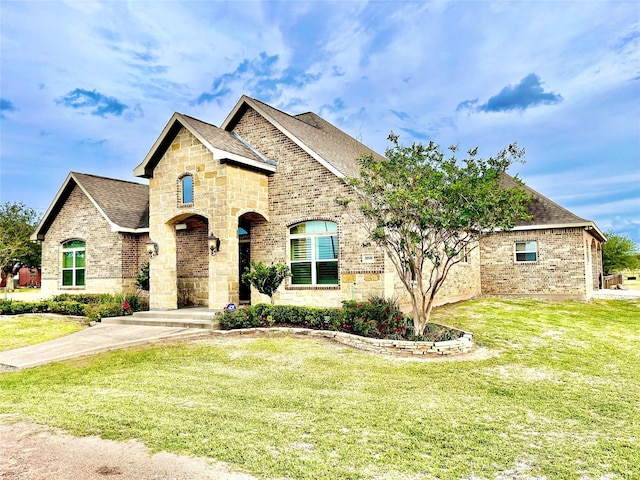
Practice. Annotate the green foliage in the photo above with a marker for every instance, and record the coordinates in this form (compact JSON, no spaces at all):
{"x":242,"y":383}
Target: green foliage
{"x":17,"y":223}
{"x":266,"y":279}
{"x":94,"y":306}
{"x":425,"y":209}
{"x":619,"y":253}
{"x":554,"y":395}
{"x":142,"y":280}
{"x":376,"y":318}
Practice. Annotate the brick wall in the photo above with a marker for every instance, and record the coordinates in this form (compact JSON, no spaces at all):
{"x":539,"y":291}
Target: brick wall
{"x":79,"y":219}
{"x":302,"y":189}
{"x":560,"y":271}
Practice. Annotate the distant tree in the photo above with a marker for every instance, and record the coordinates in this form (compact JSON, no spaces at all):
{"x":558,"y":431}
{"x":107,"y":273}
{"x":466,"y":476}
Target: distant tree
{"x":266,"y":279}
{"x":426,"y":211}
{"x":619,"y":253}
{"x":17,"y":223}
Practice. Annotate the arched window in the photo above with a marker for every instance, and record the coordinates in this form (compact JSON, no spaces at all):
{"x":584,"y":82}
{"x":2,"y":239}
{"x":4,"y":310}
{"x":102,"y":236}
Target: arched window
{"x":186,"y":189}
{"x":73,"y":263}
{"x":314,"y":253}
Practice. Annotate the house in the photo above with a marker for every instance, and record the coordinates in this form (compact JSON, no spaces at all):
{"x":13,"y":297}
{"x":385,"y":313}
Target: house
{"x":93,"y":235}
{"x":262,"y":187}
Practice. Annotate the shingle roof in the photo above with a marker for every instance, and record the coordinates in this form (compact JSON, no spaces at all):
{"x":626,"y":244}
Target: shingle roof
{"x":546,"y":212}
{"x":124,"y":204}
{"x":318,"y":137}
{"x":225,"y":145}
{"x":222,"y":139}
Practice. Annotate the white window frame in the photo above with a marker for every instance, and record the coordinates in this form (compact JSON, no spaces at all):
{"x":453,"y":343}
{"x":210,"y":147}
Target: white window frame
{"x":314,"y":260}
{"x":530,"y":246}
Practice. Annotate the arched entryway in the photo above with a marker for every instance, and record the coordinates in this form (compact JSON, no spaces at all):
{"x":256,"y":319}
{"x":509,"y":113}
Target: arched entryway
{"x":192,"y":261}
{"x":246,"y":224}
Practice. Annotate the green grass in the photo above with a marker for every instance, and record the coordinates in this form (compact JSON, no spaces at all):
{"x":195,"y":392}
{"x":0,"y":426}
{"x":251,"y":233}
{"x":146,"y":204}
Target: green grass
{"x":20,"y":331}
{"x":559,"y":398}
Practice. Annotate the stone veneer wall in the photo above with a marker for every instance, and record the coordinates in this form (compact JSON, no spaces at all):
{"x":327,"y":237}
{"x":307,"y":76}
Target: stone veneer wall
{"x":396,"y":348}
{"x":79,"y":219}
{"x":562,"y":269}
{"x":302,"y":189}
{"x":221,"y":193}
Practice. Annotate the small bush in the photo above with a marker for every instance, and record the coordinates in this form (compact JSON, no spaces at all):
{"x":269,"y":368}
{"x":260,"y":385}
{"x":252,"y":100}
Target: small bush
{"x":68,"y":307}
{"x":102,"y":310}
{"x":242,"y":318}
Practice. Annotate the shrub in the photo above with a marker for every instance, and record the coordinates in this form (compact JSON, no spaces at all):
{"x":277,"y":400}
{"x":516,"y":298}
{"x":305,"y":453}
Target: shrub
{"x":241,"y":318}
{"x":377,"y":317}
{"x":68,"y":307}
{"x":102,"y":310}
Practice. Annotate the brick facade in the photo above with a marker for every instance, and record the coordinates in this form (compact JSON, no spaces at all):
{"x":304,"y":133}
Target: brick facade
{"x":112,"y":259}
{"x":566,"y":267}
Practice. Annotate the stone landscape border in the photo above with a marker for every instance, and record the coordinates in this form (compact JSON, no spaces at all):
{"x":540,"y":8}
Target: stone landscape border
{"x":398,"y":348}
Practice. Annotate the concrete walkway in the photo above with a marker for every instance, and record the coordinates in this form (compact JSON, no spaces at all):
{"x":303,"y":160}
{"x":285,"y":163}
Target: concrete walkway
{"x":100,"y":338}
{"x":612,"y":294}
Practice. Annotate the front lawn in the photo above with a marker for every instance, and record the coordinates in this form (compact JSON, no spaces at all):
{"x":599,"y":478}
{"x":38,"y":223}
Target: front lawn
{"x":560,"y":398}
{"x":21,"y":331}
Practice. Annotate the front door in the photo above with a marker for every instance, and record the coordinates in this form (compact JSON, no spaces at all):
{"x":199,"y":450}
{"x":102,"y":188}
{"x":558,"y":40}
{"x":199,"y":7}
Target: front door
{"x":245,"y":263}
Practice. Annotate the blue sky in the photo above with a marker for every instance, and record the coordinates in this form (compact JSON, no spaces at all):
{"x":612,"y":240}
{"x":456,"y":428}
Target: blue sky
{"x":88,"y":86}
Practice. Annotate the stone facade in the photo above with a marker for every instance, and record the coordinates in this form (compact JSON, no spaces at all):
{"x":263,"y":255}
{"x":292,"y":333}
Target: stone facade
{"x":567,"y":264}
{"x":112,"y":259}
{"x":222,"y":192}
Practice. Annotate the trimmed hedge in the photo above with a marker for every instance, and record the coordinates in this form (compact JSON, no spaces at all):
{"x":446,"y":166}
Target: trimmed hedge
{"x":376,"y":318}
{"x":93,"y":306}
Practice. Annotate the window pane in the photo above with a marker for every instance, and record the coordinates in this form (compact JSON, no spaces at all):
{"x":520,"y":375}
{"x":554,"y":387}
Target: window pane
{"x":315,"y":226}
{"x":301,"y":273}
{"x":327,"y":248}
{"x":525,"y":246}
{"x":327,"y":273}
{"x":526,"y":257}
{"x":80,"y":277}
{"x":67,"y":259}
{"x":67,"y":278}
{"x":187,"y":189}
{"x":80,"y":259}
{"x":300,"y":249}
{"x":74,"y":244}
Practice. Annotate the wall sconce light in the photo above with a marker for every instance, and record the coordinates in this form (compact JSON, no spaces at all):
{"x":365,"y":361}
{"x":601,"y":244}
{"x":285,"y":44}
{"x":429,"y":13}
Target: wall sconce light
{"x":152,"y":248}
{"x":214,"y":244}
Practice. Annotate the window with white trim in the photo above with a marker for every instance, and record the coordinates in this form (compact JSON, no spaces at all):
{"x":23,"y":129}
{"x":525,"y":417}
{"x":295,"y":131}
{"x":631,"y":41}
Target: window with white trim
{"x":313,"y":256}
{"x":463,"y":256}
{"x":526,"y":252}
{"x":73,"y":263}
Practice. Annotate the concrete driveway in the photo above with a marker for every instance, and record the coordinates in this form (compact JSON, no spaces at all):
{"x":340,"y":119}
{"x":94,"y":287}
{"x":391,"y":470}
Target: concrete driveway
{"x":100,"y":338}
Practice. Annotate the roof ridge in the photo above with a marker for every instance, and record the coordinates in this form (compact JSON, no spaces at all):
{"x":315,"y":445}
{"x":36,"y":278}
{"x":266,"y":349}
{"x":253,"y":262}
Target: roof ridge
{"x":109,"y":178}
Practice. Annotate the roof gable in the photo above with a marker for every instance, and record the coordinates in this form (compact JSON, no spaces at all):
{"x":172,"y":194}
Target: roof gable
{"x":123,"y":204}
{"x":330,"y":146}
{"x":224,"y":145}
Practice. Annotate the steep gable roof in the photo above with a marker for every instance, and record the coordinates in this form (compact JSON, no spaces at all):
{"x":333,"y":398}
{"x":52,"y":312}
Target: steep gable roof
{"x":224,"y":145}
{"x":548,"y":214}
{"x":123,"y":204}
{"x":333,"y":148}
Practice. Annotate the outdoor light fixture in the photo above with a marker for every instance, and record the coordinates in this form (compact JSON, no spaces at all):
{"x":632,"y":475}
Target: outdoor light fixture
{"x":214,"y":244}
{"x":152,"y":248}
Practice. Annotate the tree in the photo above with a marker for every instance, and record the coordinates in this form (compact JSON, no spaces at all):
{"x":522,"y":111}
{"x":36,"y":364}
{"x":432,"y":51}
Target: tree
{"x":426,"y":211}
{"x":17,"y":223}
{"x":619,"y":253}
{"x":266,"y":279}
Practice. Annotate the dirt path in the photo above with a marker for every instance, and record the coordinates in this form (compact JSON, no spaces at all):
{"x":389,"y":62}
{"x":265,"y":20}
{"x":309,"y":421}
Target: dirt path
{"x":35,"y":452}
